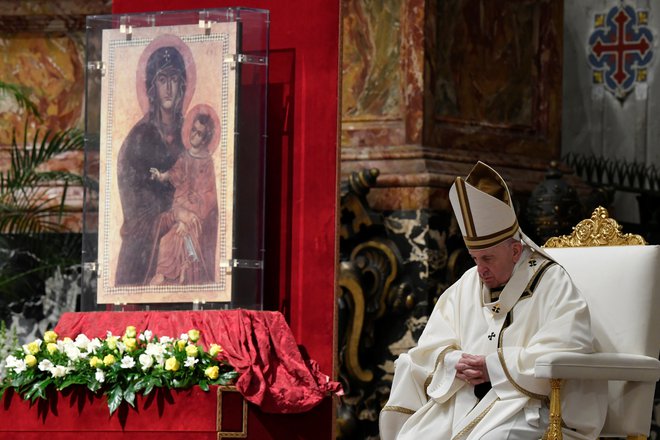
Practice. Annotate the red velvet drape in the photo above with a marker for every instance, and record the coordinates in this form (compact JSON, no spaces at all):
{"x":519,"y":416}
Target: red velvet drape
{"x":273,"y":373}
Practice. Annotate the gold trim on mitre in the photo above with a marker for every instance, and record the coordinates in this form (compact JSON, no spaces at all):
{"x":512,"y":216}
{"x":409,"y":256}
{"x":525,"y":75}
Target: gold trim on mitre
{"x":483,"y":208}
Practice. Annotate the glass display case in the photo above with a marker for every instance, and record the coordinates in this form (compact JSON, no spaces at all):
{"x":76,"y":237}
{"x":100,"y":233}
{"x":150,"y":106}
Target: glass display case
{"x":175,"y":140}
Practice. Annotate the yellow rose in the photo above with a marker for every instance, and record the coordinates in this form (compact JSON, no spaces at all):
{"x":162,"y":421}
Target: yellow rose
{"x":51,"y":347}
{"x":215,"y":349}
{"x":212,"y":372}
{"x":30,"y":360}
{"x":181,"y":344}
{"x":172,"y":364}
{"x":193,"y":335}
{"x":109,"y":360}
{"x":112,"y":342}
{"x":50,"y":336}
{"x":95,"y":362}
{"x":130,"y":332}
{"x":191,"y":350}
{"x":131,"y":344}
{"x":34,"y":346}
{"x":67,"y":339}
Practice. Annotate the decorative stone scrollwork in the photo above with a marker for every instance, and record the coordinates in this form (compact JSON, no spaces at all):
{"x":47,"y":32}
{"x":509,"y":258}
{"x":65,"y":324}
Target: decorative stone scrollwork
{"x":355,"y":214}
{"x":352,"y":295}
{"x":599,"y":230}
{"x":365,"y":281}
{"x":369,"y":289}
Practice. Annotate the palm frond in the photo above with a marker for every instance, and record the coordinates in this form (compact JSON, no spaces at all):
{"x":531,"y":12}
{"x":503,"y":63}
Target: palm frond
{"x":28,"y":160}
{"x":20,"y":95}
{"x":26,"y":200}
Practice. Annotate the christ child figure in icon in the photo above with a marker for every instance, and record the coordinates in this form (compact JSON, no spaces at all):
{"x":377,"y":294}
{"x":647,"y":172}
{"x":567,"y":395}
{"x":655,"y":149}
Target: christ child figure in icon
{"x":186,"y":253}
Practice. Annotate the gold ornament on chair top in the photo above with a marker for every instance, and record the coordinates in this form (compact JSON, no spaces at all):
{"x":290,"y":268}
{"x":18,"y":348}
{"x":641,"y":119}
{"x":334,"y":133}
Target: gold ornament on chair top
{"x":599,"y":230}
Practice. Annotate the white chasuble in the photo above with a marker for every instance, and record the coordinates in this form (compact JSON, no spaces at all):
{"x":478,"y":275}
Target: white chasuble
{"x":539,"y":311}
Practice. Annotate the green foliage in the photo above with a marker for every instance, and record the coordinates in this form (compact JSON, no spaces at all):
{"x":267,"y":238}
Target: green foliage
{"x":20,"y":95}
{"x":119,"y":367}
{"x":8,"y":343}
{"x":26,"y":203}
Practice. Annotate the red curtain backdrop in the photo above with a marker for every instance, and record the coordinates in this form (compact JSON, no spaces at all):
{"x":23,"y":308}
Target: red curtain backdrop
{"x":302,"y":187}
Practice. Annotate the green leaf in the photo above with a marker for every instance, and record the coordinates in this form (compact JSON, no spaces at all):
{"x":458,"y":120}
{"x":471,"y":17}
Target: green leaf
{"x":148,"y":388}
{"x":115,"y":397}
{"x":140,"y":384}
{"x":19,"y":381}
{"x":38,"y":390}
{"x":72,"y":380}
{"x":94,"y":386}
{"x":129,"y":395}
{"x":21,"y":96}
{"x":204,"y":385}
{"x":227,"y":378}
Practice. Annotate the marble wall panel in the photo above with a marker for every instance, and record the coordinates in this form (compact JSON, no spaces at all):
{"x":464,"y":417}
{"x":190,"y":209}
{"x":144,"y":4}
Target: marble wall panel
{"x":473,"y":80}
{"x":382,"y":66}
{"x":52,"y":68}
{"x":370,"y":60}
{"x":495,"y":77}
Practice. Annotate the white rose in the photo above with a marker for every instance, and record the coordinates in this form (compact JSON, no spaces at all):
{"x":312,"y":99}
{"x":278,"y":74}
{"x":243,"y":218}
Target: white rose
{"x":59,"y":371}
{"x":146,"y":336}
{"x":82,"y":342}
{"x":72,"y":352}
{"x":100,"y":376}
{"x":121,"y":346}
{"x":11,"y":361}
{"x":94,"y":345}
{"x":127,"y":362}
{"x":146,"y":361}
{"x":45,"y":365}
{"x":190,"y":362}
{"x":154,"y":349}
{"x":19,"y":366}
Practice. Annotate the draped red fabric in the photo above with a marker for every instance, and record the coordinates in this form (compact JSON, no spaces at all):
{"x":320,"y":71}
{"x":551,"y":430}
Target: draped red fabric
{"x":273,"y":373}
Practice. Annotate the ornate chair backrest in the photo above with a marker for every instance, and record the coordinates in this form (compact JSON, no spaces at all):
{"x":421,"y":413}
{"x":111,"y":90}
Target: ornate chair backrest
{"x":619,"y":275}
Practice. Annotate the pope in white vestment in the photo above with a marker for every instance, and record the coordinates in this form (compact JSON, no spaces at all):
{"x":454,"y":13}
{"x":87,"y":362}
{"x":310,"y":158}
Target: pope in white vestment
{"x":486,"y":332}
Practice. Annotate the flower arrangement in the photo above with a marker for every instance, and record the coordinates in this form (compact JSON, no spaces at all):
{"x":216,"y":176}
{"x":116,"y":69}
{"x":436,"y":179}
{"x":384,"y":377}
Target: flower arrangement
{"x":119,"y":367}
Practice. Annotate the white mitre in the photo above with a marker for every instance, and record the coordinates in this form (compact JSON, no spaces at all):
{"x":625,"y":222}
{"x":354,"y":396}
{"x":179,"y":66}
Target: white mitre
{"x":484,"y":209}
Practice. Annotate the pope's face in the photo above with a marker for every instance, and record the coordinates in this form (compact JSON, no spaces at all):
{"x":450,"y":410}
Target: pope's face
{"x":495,"y":264}
{"x":168,"y":87}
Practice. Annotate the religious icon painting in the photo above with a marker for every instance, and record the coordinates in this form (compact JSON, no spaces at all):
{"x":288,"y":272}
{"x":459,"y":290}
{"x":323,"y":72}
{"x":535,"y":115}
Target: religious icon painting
{"x":166,"y":164}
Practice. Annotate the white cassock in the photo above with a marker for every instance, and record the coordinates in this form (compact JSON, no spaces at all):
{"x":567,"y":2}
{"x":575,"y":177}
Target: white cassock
{"x":539,"y":311}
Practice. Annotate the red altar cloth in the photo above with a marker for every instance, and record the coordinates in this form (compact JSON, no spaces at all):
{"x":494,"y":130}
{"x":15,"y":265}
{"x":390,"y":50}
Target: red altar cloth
{"x":164,"y":414}
{"x":272,"y":371}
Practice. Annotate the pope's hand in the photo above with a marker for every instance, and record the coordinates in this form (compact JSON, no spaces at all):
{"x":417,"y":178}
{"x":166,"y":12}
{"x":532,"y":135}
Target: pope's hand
{"x":472,"y":369}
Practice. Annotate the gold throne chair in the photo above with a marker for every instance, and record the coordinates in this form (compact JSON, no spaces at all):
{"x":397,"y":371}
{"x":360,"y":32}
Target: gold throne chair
{"x":619,"y":275}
